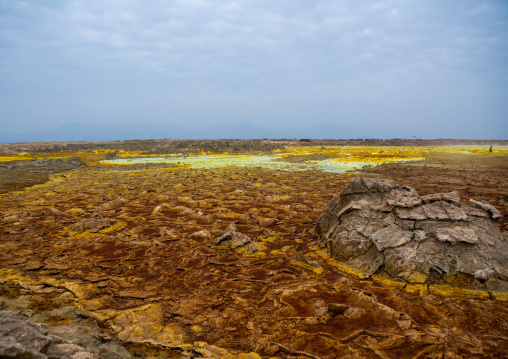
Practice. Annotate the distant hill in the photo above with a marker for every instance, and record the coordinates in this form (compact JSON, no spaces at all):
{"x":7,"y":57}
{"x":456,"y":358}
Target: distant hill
{"x":99,"y":133}
{"x":246,"y":130}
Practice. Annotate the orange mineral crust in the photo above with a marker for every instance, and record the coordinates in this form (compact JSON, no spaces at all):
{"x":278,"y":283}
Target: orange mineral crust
{"x":137,"y":251}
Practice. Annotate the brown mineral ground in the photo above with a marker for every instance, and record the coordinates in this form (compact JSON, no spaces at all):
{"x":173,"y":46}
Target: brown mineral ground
{"x":134,"y":252}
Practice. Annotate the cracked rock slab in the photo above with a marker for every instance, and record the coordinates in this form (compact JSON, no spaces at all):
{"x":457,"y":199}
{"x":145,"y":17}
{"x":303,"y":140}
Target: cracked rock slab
{"x":494,"y":213}
{"x":391,"y":236}
{"x":456,"y":235}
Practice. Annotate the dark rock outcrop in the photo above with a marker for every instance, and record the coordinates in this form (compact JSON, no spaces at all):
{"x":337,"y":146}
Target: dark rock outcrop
{"x":20,"y":338}
{"x":378,"y":226}
{"x":48,"y":165}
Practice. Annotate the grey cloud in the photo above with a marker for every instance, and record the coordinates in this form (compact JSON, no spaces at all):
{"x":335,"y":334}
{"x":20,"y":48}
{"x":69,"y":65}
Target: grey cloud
{"x":297,"y":60}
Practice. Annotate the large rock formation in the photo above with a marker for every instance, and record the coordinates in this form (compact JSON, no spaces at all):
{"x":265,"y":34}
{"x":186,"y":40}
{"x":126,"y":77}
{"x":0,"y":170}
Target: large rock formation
{"x":377,"y":226}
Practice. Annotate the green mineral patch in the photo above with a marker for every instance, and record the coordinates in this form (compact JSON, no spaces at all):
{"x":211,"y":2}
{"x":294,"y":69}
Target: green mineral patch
{"x":335,"y":159}
{"x":273,"y":162}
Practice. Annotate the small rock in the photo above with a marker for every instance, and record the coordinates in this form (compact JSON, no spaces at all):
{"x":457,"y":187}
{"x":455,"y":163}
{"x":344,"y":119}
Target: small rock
{"x":319,"y":307}
{"x":113,"y":351}
{"x":203,"y":234}
{"x":231,"y":238}
{"x":337,"y":308}
{"x":354,"y":312}
{"x":266,"y":234}
{"x":268,"y":222}
{"x":92,"y":225}
{"x":404,"y":322}
{"x":494,"y":213}
{"x":238,"y":241}
{"x":311,"y":321}
{"x":302,"y":261}
{"x":271,"y":349}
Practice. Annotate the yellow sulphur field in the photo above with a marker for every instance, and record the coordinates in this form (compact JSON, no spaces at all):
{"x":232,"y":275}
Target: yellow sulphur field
{"x":337,"y":159}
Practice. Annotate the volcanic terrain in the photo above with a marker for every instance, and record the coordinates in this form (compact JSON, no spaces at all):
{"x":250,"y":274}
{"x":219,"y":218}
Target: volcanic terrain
{"x":132,"y":253}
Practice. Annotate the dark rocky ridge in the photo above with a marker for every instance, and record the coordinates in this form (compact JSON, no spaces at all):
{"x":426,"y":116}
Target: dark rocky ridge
{"x":377,"y":226}
{"x":46,"y":165}
{"x":16,"y":175}
{"x":162,"y":146}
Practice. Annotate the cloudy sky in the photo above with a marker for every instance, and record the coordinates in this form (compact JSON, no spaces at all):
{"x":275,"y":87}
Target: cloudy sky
{"x":431,"y":69}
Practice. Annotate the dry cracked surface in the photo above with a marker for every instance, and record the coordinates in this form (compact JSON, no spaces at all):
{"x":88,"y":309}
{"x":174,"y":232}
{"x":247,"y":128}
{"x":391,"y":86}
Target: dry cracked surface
{"x":136,"y":253}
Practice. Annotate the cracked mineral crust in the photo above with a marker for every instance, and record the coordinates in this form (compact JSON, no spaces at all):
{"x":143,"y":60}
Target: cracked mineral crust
{"x":378,"y":226}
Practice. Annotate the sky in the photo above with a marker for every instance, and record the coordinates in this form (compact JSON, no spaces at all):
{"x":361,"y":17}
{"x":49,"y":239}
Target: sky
{"x":430,"y":69}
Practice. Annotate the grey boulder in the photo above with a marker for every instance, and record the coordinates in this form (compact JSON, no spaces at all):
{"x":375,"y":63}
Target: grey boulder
{"x":378,"y":226}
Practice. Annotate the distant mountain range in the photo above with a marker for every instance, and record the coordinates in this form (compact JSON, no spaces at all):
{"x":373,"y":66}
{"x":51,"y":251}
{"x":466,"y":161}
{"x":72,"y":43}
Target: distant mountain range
{"x":99,"y":132}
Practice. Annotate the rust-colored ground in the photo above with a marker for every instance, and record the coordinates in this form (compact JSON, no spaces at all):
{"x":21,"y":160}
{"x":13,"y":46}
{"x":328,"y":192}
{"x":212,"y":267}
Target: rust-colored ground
{"x":157,"y":251}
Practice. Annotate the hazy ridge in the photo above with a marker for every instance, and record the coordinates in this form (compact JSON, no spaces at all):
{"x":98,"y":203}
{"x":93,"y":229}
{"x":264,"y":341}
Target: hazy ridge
{"x":246,"y":130}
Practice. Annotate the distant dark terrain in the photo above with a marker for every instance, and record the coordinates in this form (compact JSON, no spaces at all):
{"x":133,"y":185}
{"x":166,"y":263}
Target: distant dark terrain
{"x":161,"y":146}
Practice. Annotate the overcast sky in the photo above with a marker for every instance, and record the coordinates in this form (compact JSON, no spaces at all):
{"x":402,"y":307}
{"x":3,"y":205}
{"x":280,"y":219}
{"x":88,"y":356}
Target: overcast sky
{"x":430,"y":68}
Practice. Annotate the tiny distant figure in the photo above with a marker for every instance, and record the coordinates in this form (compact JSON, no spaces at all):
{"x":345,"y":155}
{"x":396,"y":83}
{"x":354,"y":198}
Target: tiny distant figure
{"x":490,"y":151}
